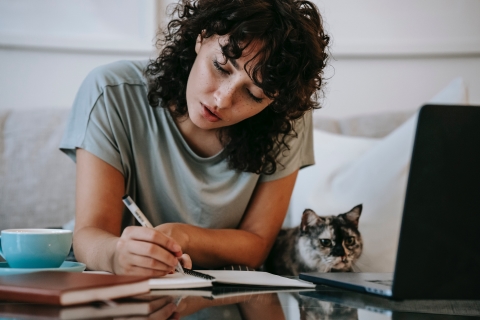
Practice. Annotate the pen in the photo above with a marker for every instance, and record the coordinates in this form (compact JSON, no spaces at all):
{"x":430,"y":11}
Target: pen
{"x":138,"y":214}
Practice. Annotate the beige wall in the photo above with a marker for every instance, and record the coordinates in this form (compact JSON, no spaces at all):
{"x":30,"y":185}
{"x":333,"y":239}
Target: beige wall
{"x":393,"y":55}
{"x":386,"y":55}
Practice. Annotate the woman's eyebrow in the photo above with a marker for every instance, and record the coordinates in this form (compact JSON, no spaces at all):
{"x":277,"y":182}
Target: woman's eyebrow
{"x":236,"y":66}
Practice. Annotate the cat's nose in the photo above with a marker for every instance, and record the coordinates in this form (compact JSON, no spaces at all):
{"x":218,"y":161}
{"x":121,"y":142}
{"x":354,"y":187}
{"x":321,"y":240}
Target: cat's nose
{"x":338,"y":251}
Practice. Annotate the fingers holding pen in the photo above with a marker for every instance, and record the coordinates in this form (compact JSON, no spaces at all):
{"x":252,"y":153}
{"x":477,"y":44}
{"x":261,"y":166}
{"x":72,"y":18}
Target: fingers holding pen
{"x":160,"y":239}
{"x":138,"y":267}
{"x":186,"y":261}
{"x":156,"y":237}
{"x":145,"y":248}
{"x":150,"y":237}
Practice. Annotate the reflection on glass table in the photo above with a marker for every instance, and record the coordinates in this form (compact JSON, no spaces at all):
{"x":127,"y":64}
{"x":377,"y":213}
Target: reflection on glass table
{"x":247,"y":303}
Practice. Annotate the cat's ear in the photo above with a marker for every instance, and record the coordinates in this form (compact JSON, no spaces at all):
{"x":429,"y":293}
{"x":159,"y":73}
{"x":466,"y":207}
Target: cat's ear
{"x":353,"y":215}
{"x":309,"y":218}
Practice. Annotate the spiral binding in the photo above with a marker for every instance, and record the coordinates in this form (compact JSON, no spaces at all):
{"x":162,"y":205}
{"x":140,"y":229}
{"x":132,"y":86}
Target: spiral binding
{"x":198,"y":274}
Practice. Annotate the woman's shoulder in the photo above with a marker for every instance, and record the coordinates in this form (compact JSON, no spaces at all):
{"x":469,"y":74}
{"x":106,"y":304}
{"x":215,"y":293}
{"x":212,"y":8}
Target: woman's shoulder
{"x":117,"y":88}
{"x":119,"y":72}
{"x":302,"y":126}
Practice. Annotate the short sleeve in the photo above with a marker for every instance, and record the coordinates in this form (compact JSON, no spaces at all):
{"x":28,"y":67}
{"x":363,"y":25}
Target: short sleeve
{"x":104,"y":137}
{"x":300,"y":153}
{"x":97,"y":120}
{"x":85,"y":101}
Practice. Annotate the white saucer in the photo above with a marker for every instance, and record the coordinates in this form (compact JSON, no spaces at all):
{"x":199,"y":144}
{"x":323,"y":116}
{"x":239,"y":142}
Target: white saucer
{"x":66,"y":266}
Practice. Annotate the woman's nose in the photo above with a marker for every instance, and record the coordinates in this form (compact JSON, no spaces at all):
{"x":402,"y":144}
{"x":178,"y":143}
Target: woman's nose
{"x":224,"y":95}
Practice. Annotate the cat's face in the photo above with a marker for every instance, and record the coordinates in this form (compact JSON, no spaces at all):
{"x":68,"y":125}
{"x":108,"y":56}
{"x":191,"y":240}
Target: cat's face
{"x":330,"y":243}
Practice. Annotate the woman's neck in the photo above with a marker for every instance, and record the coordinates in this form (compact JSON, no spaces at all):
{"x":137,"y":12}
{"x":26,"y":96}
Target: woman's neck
{"x":204,"y":143}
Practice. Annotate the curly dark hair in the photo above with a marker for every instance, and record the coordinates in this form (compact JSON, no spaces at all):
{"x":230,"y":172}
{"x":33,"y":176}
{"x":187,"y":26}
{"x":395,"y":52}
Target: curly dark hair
{"x":289,"y":68}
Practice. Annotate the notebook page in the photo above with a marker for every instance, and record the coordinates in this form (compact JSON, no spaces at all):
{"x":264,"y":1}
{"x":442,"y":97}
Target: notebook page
{"x":178,"y":281}
{"x":256,"y":278}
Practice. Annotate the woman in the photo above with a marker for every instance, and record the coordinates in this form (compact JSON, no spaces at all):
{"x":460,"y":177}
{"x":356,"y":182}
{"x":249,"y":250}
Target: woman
{"x":207,"y":139}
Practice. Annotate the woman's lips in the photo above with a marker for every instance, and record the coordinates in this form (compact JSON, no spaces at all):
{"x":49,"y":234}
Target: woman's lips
{"x":209,"y":115}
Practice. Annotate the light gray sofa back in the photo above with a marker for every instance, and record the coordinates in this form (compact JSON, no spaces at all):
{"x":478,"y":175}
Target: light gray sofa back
{"x":374,"y":125}
{"x":37,"y":181}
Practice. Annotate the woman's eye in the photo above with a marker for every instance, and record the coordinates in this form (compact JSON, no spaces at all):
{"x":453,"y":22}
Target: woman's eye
{"x":223,"y":71}
{"x":326,"y":242}
{"x":254,"y":98}
{"x":349,"y":241}
{"x":219,"y":68}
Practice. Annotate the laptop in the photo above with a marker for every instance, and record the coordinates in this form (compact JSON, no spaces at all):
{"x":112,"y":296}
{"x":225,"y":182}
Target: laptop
{"x":438,"y":254}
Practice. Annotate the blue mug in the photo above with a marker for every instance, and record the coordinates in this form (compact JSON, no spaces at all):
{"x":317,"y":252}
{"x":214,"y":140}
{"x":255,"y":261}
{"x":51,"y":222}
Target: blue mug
{"x":35,"y":248}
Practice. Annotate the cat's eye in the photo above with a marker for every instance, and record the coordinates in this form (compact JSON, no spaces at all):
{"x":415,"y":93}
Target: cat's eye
{"x":349,"y":241}
{"x":326,"y":242}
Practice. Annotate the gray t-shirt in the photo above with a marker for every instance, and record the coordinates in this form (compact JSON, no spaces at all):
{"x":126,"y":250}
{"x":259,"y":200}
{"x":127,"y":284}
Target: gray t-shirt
{"x":111,"y":118}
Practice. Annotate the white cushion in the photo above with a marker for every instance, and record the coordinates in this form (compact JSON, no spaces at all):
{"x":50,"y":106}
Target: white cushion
{"x":378,"y":180}
{"x":353,"y":170}
{"x":333,"y":154}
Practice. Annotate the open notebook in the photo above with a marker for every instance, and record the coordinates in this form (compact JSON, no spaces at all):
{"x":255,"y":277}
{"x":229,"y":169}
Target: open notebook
{"x":207,"y":278}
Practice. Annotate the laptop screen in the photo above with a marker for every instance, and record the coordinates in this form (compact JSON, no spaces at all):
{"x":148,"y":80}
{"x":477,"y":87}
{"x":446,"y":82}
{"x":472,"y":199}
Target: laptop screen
{"x":439,"y":243}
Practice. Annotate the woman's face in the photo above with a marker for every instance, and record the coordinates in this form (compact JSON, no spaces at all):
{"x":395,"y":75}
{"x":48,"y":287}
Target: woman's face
{"x":219,"y":94}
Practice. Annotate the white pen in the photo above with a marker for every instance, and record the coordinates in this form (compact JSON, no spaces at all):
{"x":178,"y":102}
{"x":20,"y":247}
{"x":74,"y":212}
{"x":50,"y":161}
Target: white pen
{"x":138,"y":214}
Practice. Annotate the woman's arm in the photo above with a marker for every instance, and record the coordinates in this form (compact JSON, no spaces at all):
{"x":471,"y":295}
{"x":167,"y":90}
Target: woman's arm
{"x":97,"y":239}
{"x":251,"y":242}
{"x":99,"y":243}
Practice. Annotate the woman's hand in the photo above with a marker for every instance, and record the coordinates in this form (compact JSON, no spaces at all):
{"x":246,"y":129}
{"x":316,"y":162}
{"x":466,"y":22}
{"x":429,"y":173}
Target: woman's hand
{"x":98,"y":240}
{"x":186,"y":261}
{"x":175,"y":231}
{"x":145,"y":251}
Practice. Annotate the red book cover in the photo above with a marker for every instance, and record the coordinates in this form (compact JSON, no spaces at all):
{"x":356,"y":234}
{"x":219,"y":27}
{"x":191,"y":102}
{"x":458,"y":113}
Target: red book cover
{"x":67,"y":288}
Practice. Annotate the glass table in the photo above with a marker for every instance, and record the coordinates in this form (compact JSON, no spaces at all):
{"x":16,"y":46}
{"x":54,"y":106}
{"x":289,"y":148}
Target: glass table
{"x":227,"y":302}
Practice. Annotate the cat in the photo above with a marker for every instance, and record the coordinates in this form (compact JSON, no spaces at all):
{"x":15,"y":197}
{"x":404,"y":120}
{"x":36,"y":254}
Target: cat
{"x":318,"y":244}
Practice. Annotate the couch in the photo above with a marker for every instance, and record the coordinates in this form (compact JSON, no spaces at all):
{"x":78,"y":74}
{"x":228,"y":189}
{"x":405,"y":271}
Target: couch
{"x":37,"y":186}
{"x":359,"y":159}
{"x":38,"y":181}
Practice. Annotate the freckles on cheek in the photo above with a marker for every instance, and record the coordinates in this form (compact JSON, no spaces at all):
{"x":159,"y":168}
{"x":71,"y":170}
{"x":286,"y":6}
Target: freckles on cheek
{"x":206,"y":83}
{"x":253,"y":109}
